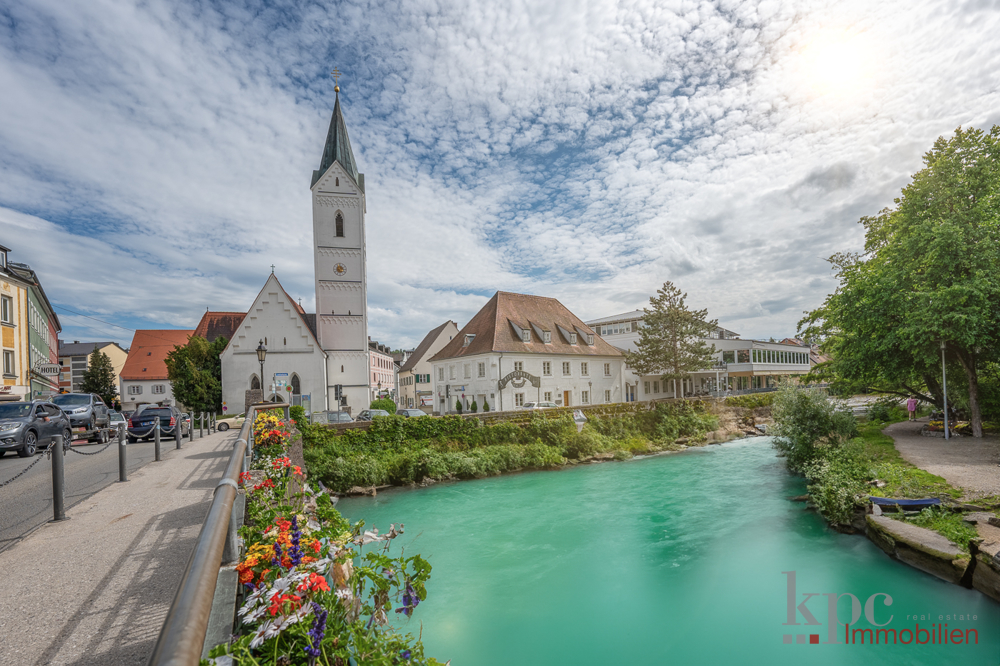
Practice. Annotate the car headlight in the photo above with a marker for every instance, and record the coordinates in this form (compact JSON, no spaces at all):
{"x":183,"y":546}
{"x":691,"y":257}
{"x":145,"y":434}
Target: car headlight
{"x":81,"y":410}
{"x":9,"y":427}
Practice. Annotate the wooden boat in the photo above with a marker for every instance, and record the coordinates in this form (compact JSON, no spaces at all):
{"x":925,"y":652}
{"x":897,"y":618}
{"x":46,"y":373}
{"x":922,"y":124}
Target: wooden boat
{"x":907,"y":504}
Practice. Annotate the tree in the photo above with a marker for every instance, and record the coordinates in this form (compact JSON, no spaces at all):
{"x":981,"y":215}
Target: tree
{"x":458,"y":406}
{"x":929,"y":279}
{"x":195,"y":373}
{"x":474,"y":407}
{"x":383,"y":403}
{"x":671,"y":340}
{"x":99,"y":377}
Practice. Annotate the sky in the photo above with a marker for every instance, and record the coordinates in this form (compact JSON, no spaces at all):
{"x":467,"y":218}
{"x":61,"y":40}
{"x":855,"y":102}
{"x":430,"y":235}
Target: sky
{"x":156,"y":156}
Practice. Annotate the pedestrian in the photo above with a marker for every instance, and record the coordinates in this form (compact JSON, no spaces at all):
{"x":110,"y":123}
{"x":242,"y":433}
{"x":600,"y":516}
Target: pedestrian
{"x":911,"y":408}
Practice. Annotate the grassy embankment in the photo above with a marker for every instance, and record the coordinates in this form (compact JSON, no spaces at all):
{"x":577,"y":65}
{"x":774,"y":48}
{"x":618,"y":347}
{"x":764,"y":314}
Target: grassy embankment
{"x":847,"y":465}
{"x":400,"y":451}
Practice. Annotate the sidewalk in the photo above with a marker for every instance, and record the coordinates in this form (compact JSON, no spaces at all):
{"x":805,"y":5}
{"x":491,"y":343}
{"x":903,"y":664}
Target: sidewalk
{"x":96,"y":589}
{"x":964,"y":462}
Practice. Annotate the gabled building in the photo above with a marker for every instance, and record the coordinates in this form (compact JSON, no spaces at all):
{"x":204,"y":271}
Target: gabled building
{"x":415,"y":387}
{"x":144,"y":379}
{"x":214,"y":325}
{"x":520,"y":348}
{"x":295,"y":363}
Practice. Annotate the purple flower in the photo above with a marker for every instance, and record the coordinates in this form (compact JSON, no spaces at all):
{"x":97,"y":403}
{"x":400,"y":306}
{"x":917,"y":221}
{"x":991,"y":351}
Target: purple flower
{"x":404,"y":654}
{"x":276,"y":560}
{"x":295,"y":553}
{"x":317,"y":631}
{"x":410,"y":600}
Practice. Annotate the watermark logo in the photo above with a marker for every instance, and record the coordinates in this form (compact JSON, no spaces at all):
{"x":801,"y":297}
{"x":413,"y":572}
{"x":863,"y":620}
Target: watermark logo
{"x":806,"y":610}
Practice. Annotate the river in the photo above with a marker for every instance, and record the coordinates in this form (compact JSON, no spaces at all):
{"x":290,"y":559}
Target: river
{"x":672,"y":559}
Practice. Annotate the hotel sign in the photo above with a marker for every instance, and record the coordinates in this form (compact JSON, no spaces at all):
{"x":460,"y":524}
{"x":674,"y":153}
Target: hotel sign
{"x":48,"y":369}
{"x":518,"y":379}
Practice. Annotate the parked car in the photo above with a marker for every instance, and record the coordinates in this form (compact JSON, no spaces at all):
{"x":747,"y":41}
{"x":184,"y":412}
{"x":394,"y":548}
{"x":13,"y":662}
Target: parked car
{"x":539,"y":405}
{"x":85,"y":410}
{"x":369,"y":414}
{"x":410,"y":413}
{"x":24,"y":426}
{"x":339,"y":417}
{"x":115,"y":419}
{"x":140,"y":426}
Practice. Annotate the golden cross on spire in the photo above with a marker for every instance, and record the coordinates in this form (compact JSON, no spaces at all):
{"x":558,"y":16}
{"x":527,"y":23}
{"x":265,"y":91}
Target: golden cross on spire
{"x":336,"y":76}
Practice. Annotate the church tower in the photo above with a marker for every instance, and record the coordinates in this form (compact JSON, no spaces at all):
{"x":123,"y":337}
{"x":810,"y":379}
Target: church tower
{"x":338,"y":196}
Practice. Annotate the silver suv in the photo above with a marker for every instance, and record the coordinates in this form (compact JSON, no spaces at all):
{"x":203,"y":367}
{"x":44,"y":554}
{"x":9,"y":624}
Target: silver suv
{"x":84,"y":409}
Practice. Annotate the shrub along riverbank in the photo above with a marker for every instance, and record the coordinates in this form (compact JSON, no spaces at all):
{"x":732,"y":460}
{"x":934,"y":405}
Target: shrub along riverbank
{"x":400,"y":451}
{"x":845,"y":462}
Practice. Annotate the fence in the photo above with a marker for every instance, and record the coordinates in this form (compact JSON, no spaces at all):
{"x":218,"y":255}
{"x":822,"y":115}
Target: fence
{"x":182,"y":638}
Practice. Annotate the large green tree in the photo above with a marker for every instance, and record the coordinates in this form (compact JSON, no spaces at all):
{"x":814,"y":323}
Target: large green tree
{"x":195,"y":372}
{"x":929,"y":278}
{"x":100,"y":378}
{"x":672,"y":338}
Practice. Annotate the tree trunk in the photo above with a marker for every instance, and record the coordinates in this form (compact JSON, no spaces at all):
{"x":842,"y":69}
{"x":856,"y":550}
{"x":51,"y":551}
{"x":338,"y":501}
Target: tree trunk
{"x":968,"y":362}
{"x":934,"y":388}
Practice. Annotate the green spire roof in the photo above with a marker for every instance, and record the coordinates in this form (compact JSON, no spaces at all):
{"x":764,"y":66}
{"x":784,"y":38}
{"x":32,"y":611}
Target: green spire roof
{"x":338,"y":147}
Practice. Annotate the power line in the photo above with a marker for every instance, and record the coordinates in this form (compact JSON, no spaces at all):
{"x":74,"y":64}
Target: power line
{"x":80,"y":314}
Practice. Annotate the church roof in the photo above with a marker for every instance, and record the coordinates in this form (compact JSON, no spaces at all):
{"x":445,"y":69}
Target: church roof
{"x":493,"y":329}
{"x":337,"y":147}
{"x":216,"y":324}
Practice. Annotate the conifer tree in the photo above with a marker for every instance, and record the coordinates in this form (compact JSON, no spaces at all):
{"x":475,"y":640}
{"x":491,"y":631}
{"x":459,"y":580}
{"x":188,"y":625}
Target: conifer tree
{"x":99,"y":377}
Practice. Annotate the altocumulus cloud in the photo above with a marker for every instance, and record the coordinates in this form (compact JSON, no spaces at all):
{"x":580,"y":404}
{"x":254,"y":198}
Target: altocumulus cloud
{"x":156,"y":156}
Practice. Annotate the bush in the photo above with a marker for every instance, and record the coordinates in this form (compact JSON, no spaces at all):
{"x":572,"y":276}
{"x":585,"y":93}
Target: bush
{"x":486,"y":405}
{"x":473,"y":407}
{"x":886,"y":410}
{"x":383,"y":403}
{"x":458,"y":406}
{"x":805,"y":418}
{"x":298,"y":414}
{"x":751,"y":400}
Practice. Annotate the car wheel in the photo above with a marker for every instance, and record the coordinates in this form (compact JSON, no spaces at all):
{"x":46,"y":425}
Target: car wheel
{"x":132,"y":440}
{"x":67,"y":435}
{"x":1,"y":453}
{"x":30,"y":445}
{"x":93,"y":423}
{"x":223,"y":427}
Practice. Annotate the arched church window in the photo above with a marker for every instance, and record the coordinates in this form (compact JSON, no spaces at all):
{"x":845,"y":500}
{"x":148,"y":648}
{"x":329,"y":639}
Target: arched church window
{"x":254,"y":383}
{"x":295,"y":385}
{"x":340,"y":225}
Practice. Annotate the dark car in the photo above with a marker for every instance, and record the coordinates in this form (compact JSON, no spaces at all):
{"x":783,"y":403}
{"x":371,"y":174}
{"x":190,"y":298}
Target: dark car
{"x":142,"y":424}
{"x":369,"y":414}
{"x":411,"y":413}
{"x":24,"y":426}
{"x":85,"y":410}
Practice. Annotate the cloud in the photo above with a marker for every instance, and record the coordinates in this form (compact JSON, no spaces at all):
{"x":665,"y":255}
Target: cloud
{"x":588,"y":153}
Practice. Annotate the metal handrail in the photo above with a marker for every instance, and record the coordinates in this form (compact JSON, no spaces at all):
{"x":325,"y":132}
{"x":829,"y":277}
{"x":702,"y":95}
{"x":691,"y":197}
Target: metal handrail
{"x":182,"y":637}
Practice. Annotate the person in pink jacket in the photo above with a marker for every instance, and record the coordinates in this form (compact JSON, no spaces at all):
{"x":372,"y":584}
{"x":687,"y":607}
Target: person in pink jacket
{"x":911,"y":408}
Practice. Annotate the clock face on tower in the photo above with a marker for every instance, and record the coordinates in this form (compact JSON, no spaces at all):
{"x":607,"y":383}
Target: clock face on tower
{"x":340,"y":269}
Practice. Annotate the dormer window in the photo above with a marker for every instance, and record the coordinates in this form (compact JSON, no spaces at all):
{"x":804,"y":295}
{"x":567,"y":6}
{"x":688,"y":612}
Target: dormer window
{"x":547,"y":336}
{"x":525,"y":335}
{"x":590,"y":339}
{"x":572,"y":338}
{"x":469,"y":337}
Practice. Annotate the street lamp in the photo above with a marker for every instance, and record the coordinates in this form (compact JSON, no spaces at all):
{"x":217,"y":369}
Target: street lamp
{"x":261,"y":353}
{"x":944,"y":387}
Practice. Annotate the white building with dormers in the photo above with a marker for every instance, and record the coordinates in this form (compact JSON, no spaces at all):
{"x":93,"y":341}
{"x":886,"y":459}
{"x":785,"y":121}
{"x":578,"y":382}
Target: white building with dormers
{"x":520,"y":348}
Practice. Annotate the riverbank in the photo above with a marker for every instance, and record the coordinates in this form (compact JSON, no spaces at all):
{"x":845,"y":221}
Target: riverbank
{"x":395,"y":451}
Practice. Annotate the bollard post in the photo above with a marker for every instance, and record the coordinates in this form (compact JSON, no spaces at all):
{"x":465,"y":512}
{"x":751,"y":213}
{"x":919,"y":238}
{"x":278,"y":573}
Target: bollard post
{"x":57,"y":451}
{"x":215,"y":424}
{"x":156,"y":437}
{"x":191,"y":428}
{"x":201,"y":424}
{"x":177,"y":430}
{"x":122,"y":468}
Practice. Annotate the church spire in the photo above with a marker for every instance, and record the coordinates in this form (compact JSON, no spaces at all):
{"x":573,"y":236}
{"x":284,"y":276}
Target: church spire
{"x":338,"y":146}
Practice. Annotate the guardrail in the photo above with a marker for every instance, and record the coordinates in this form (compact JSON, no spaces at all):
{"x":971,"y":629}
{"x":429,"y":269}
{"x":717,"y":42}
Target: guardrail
{"x":182,"y":637}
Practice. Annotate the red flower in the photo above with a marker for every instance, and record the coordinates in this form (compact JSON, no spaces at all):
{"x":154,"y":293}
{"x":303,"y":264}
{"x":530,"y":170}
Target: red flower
{"x":315,"y":582}
{"x":278,"y":602}
{"x":316,"y":545}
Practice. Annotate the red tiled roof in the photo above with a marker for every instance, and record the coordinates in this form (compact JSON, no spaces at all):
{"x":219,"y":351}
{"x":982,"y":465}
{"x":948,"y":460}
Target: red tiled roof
{"x":494,"y":332}
{"x":216,"y":324}
{"x":148,"y":353}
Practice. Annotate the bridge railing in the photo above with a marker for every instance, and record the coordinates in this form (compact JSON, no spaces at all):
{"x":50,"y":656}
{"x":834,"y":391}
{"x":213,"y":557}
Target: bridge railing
{"x":182,"y":637}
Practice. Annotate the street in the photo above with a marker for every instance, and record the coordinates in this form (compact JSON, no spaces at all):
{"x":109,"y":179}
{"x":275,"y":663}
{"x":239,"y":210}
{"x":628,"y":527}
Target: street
{"x":27,"y":502}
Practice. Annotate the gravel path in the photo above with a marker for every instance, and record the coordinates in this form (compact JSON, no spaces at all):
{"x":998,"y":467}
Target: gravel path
{"x":964,"y":462}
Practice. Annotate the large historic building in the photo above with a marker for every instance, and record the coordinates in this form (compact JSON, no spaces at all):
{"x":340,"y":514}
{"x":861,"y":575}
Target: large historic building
{"x":520,"y":348}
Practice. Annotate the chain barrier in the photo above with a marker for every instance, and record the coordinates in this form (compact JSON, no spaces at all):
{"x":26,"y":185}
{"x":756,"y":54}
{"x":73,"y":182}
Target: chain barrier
{"x":23,"y":471}
{"x":111,"y":440}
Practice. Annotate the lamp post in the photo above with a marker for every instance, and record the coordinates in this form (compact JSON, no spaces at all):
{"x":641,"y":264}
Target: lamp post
{"x":261,"y":353}
{"x":944,"y":388}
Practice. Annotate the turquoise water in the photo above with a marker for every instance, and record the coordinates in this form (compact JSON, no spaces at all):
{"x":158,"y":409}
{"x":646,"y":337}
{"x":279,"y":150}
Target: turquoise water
{"x":665,"y":560}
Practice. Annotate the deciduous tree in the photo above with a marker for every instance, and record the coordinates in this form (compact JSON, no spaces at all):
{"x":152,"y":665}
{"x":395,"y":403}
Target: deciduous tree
{"x":672,"y":338}
{"x":195,"y":372}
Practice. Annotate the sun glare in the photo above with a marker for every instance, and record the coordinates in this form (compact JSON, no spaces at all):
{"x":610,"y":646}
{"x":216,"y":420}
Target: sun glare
{"x":838,"y":64}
